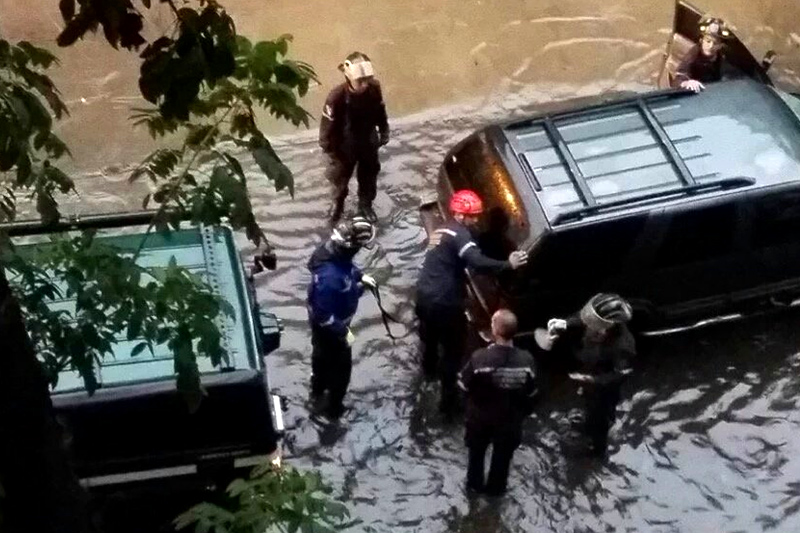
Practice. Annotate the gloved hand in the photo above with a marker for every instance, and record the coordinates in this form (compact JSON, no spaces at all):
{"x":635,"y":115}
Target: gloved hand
{"x":350,"y":338}
{"x":518,"y":259}
{"x":369,"y":281}
{"x":384,"y":140}
{"x":555,"y":326}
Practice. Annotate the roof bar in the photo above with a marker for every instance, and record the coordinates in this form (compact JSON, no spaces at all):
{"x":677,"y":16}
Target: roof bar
{"x":573,"y":170}
{"x":727,"y":183}
{"x":666,"y":143}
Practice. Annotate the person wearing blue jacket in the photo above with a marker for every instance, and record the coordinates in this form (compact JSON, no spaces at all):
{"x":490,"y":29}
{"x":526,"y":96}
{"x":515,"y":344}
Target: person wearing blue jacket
{"x":336,"y":286}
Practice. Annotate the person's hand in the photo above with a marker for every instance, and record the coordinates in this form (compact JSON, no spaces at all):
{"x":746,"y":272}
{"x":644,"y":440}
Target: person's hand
{"x":350,"y":338}
{"x":555,"y":326}
{"x":584,"y":378}
{"x":518,"y":259}
{"x":692,"y":85}
{"x":369,"y":281}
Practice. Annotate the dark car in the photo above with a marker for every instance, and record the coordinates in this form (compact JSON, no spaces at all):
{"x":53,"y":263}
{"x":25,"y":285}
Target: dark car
{"x":137,"y":428}
{"x":687,"y":204}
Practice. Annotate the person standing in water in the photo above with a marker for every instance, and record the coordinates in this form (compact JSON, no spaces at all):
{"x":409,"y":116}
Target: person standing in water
{"x":704,"y":61}
{"x":353,"y":126}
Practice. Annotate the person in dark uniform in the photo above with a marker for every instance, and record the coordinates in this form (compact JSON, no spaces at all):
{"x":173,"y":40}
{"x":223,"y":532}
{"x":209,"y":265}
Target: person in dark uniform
{"x":499,"y":382}
{"x":442,"y":291}
{"x":336,"y":286}
{"x":603,"y":348}
{"x":704,"y":62}
{"x":352,"y":127}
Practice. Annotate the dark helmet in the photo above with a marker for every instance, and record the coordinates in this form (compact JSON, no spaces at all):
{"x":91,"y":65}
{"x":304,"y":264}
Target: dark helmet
{"x":354,"y":233}
{"x":715,"y":27}
{"x":605,"y":310}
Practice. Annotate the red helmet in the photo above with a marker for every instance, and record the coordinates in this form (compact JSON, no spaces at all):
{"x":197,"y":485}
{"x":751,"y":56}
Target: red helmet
{"x":466,"y":202}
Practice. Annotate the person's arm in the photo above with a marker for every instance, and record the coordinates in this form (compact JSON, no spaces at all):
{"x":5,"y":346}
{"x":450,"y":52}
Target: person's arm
{"x":683,"y":70}
{"x":329,"y":123}
{"x":466,"y":376}
{"x":383,"y":120}
{"x":326,"y":294}
{"x":531,"y":388}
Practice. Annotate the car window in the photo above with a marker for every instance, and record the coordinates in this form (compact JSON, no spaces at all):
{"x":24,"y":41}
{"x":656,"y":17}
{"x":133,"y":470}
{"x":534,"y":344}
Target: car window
{"x":477,"y":166}
{"x":776,"y":220}
{"x":698,"y":235}
{"x":587,"y":254}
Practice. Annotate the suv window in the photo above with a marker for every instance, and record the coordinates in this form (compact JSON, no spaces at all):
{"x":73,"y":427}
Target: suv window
{"x":698,"y":235}
{"x":477,"y":166}
{"x":776,"y":220}
{"x":588,"y":254}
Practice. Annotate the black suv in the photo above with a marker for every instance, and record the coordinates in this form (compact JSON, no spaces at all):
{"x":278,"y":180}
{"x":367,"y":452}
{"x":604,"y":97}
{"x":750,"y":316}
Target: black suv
{"x":687,"y":204}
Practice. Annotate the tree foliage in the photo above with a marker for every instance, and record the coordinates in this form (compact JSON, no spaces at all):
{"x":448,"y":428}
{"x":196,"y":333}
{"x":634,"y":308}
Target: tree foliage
{"x":272,"y":499}
{"x":204,"y":83}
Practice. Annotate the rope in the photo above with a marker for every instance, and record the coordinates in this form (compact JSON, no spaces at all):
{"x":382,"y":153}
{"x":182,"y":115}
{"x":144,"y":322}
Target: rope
{"x":386,"y":317}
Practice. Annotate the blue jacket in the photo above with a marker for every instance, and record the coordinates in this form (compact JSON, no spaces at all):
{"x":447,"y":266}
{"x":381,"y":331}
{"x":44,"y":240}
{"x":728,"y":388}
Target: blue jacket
{"x":334,"y":291}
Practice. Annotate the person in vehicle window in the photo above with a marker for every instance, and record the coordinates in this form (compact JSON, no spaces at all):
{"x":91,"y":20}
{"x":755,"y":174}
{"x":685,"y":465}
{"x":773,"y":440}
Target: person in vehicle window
{"x":705,"y":61}
{"x":602,"y":347}
{"x":499,"y":382}
{"x":442,"y":292}
{"x":336,"y":286}
{"x":352,"y":127}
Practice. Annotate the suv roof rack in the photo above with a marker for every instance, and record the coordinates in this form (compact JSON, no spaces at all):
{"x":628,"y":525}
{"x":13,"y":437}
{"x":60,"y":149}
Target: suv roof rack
{"x":553,"y":151}
{"x":727,"y":183}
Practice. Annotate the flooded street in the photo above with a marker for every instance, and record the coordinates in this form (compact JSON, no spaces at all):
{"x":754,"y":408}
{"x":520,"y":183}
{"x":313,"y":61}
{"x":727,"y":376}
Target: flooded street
{"x":708,"y":435}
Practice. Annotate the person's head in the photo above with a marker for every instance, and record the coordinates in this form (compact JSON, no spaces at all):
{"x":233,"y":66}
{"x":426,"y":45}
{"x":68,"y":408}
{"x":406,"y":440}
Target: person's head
{"x":504,"y":325}
{"x":348,"y":237}
{"x":603,"y":312}
{"x":466,"y":207}
{"x":358,"y":71}
{"x":713,"y":33}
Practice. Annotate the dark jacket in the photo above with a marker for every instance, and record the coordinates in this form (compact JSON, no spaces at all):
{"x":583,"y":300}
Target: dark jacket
{"x":443,"y":281}
{"x":696,"y":66}
{"x":604,"y":360}
{"x":350,"y":122}
{"x":334,"y":291}
{"x":500,"y":383}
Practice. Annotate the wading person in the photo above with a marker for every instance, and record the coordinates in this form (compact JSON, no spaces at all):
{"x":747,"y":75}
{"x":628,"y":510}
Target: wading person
{"x":499,"y":382}
{"x":602,"y":347}
{"x":442,"y":292}
{"x":704,"y":61}
{"x":352,"y":128}
{"x":336,"y":286}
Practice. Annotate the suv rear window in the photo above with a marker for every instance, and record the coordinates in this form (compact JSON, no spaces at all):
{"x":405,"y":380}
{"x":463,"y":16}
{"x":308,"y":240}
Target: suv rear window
{"x":477,"y":166}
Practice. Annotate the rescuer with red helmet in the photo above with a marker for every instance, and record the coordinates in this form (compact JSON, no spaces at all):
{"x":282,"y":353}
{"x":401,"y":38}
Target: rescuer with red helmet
{"x":442,"y":291}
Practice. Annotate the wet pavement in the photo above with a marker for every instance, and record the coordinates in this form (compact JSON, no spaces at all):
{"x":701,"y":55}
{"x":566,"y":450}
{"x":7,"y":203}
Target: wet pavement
{"x":707,"y":439}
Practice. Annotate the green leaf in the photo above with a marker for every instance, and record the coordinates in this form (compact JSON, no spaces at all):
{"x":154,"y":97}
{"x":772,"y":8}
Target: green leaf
{"x":269,"y":162}
{"x":139,"y":348}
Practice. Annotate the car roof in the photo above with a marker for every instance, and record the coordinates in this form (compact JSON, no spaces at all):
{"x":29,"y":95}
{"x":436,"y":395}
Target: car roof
{"x":611,"y":157}
{"x":207,"y":252}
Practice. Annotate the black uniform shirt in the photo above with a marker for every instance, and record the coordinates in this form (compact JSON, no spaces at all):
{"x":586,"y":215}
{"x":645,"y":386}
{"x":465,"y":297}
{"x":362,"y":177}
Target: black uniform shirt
{"x":500,"y":385}
{"x":349,"y":120}
{"x":442,"y":281}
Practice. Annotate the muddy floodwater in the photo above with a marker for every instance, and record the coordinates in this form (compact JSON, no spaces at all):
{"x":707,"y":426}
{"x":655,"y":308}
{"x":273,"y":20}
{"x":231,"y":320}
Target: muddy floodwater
{"x":708,"y":435}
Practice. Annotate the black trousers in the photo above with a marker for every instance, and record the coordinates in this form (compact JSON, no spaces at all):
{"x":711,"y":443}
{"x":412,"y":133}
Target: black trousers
{"x":504,"y":441}
{"x":443,"y":327}
{"x":601,"y":412}
{"x":331,"y":365}
{"x":340,"y":169}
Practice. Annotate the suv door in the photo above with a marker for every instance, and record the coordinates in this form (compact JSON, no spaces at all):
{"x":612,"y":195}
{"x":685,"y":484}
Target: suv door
{"x":571,"y":264}
{"x":775,"y":237}
{"x":701,"y":257}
